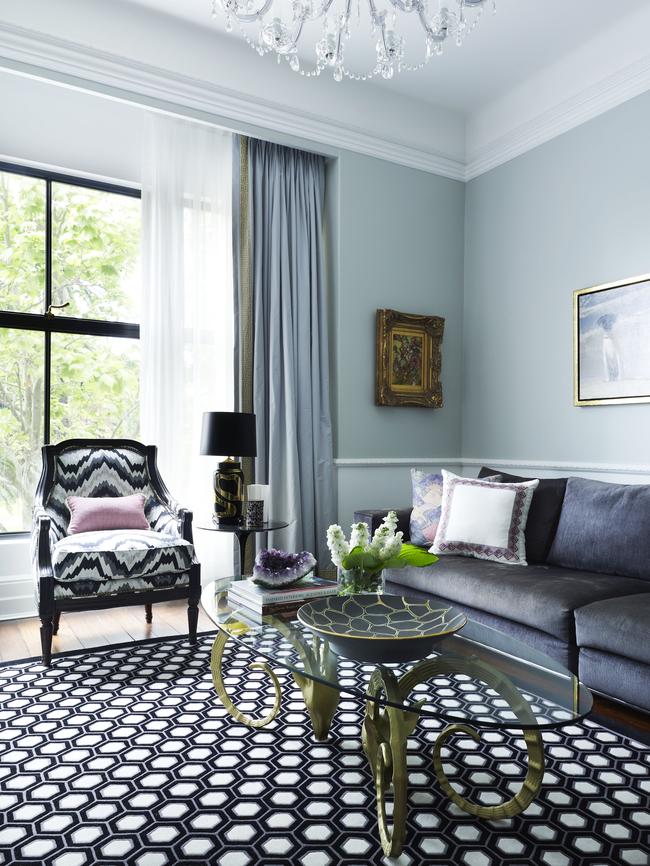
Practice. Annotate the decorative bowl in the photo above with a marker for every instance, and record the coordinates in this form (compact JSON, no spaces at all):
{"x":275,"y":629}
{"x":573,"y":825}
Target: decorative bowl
{"x":380,"y":628}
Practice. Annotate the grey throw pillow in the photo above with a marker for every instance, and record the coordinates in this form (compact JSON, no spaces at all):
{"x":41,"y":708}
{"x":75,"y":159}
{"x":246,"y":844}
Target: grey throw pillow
{"x":604,"y":528}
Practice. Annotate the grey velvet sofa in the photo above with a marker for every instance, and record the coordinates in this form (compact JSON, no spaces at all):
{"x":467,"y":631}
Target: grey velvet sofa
{"x":584,"y":597}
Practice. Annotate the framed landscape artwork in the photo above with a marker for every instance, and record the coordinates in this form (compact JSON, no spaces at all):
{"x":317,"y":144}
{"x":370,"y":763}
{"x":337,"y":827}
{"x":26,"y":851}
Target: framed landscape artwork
{"x":408,"y":359}
{"x":612,"y":343}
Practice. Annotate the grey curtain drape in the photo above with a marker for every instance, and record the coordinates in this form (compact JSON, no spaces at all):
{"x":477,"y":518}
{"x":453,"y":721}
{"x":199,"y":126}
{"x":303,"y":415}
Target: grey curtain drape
{"x":289,"y":353}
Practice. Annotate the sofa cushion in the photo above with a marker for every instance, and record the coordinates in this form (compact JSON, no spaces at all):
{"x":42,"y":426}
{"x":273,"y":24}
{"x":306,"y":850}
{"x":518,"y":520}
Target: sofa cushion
{"x":605,"y":528}
{"x":86,"y":588}
{"x":617,"y":625}
{"x":565,"y":654}
{"x":616,"y":677}
{"x":119,"y":554}
{"x":544,"y":513}
{"x":538,"y":596}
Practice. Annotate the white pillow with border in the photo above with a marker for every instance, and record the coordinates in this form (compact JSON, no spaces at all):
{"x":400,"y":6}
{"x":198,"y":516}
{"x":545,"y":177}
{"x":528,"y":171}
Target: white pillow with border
{"x":483,"y":519}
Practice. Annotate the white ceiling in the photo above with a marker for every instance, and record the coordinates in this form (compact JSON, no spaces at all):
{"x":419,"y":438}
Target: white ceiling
{"x":521,"y":40}
{"x":533,"y":72}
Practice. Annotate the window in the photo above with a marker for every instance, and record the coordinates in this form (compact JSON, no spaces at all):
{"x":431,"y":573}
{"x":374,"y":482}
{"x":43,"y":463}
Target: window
{"x":69,"y":350}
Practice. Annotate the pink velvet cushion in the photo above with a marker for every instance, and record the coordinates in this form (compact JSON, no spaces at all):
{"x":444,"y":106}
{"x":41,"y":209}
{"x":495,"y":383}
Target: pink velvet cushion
{"x":92,"y":513}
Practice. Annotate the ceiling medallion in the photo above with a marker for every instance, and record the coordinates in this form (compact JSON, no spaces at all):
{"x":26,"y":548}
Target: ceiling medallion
{"x":282,"y":30}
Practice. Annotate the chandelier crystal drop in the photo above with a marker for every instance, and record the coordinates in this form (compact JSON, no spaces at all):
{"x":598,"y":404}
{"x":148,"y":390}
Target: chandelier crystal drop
{"x":282,"y":25}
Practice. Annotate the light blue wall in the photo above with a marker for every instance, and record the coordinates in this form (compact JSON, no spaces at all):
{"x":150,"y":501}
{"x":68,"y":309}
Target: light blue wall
{"x":572,"y":213}
{"x":395,"y":240}
{"x":400,"y":246}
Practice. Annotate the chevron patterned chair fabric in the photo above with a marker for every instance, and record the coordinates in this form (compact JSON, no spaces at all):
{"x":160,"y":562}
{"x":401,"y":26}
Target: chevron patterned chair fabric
{"x":109,"y":568}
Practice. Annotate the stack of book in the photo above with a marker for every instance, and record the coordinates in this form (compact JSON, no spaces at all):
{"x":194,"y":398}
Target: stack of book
{"x":278,"y":602}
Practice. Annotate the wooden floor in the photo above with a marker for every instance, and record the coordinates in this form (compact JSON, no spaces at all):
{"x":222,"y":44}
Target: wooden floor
{"x":20,"y":638}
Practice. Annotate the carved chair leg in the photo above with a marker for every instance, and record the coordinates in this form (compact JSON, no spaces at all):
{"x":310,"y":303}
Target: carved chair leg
{"x":46,"y":639}
{"x":193,"y":601}
{"x":56,"y":619}
{"x":148,"y":612}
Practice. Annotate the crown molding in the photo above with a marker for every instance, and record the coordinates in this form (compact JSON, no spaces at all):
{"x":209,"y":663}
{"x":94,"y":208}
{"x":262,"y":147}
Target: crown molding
{"x":40,"y":55}
{"x":596,"y":99}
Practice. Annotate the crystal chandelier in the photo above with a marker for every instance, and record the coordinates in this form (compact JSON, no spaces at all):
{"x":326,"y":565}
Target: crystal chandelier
{"x":437,"y":21}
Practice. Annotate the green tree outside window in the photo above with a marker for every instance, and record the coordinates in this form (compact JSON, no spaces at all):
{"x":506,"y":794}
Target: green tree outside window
{"x":94,"y":382}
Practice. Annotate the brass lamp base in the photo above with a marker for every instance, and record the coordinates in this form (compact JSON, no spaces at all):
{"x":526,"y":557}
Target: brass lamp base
{"x":228,"y":484}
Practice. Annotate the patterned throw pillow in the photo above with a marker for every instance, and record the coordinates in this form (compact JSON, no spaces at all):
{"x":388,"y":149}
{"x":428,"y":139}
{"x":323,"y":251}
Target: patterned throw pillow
{"x":427,"y":501}
{"x":483,"y":519}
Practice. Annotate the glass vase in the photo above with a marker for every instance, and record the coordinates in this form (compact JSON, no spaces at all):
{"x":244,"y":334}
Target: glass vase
{"x":358,"y":581}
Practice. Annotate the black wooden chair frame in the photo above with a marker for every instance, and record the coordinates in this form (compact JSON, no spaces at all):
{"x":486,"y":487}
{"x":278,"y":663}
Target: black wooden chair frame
{"x":51,"y":608}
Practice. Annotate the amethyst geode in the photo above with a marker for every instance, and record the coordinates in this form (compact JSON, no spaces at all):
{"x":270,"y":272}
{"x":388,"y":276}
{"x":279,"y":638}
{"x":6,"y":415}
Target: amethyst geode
{"x":275,"y":568}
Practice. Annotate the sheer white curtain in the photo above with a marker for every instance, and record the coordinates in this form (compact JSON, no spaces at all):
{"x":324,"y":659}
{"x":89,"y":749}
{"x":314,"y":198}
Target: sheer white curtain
{"x":187,"y":333}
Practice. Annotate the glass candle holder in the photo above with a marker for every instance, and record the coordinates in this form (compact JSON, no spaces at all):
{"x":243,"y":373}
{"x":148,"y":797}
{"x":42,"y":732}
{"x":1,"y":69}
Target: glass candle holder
{"x":255,"y":512}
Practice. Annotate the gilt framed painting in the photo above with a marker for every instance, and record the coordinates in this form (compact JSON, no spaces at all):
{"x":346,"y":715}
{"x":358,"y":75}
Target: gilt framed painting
{"x":409,"y":358}
{"x":611,"y":343}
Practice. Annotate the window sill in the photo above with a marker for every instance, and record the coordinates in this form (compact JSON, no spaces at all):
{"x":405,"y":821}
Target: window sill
{"x":9,"y":537}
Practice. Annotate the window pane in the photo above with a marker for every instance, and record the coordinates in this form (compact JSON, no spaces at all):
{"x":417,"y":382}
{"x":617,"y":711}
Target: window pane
{"x":22,"y":243}
{"x":95,"y":387}
{"x":95,"y":253}
{"x":21,"y":425}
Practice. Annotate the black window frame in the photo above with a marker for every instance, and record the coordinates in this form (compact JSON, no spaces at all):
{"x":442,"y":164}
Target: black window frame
{"x":57,"y":323}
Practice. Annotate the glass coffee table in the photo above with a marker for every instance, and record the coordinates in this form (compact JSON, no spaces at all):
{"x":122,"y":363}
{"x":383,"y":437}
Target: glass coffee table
{"x":500,"y":684}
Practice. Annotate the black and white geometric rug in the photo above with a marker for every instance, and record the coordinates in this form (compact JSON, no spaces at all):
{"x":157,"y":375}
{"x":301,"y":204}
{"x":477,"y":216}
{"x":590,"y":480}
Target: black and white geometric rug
{"x":126,"y":756}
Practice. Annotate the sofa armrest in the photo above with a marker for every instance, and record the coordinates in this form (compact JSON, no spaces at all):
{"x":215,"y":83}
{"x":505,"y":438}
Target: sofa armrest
{"x":185,"y":517}
{"x":373,"y":517}
{"x":169,"y":516}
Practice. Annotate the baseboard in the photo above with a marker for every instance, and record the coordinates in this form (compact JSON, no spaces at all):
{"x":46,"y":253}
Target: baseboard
{"x":16,"y":597}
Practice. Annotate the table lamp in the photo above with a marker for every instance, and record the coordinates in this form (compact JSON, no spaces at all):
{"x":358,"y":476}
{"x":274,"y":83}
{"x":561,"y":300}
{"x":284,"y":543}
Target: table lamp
{"x":232,"y":434}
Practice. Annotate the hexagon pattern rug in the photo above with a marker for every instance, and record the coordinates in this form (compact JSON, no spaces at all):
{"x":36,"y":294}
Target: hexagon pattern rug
{"x":126,"y":756}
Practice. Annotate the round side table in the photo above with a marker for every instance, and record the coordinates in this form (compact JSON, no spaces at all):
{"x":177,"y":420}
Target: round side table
{"x":242,"y":532}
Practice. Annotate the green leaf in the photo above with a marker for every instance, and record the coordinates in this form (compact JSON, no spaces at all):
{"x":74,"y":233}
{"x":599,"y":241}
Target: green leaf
{"x":358,"y":558}
{"x":411,"y":555}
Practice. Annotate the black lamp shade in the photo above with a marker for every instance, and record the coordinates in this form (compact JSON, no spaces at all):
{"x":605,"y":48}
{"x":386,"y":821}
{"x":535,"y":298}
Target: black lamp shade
{"x":229,"y":434}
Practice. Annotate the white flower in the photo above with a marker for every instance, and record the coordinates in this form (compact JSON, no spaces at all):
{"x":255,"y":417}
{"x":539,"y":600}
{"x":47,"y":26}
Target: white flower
{"x":386,"y":542}
{"x":391,"y":520}
{"x":359,"y":537}
{"x":379,"y":539}
{"x":392,"y":547}
{"x":339,"y":547}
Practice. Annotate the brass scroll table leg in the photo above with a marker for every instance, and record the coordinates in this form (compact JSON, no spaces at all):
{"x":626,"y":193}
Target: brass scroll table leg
{"x":321,"y":700}
{"x":217,"y":678}
{"x":384,"y":738}
{"x":386,"y":730}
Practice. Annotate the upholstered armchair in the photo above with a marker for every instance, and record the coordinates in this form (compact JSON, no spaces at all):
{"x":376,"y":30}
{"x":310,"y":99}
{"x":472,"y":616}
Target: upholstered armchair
{"x":108,"y":568}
